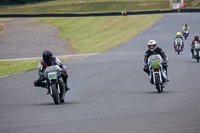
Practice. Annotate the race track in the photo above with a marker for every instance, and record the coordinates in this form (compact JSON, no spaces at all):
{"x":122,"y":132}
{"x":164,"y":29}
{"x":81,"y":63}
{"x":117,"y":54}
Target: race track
{"x":111,"y":93}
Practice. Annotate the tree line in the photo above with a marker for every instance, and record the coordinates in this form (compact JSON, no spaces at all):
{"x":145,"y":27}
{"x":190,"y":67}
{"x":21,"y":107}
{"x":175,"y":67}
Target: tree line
{"x":18,"y":2}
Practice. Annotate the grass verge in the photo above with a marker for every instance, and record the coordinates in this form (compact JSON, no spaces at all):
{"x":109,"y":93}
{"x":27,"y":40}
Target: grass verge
{"x":86,"y":6}
{"x":88,"y":35}
{"x":10,"y":67}
{"x":98,"y":34}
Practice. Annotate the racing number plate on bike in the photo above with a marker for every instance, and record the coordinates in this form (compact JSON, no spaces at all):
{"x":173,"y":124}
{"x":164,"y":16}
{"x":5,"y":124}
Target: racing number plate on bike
{"x":52,"y":75}
{"x":196,"y":46}
{"x":155,"y":64}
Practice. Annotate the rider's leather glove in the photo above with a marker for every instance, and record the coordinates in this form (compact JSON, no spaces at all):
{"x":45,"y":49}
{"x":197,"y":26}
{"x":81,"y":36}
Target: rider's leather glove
{"x":164,"y":63}
{"x":145,"y":66}
{"x":40,"y":74}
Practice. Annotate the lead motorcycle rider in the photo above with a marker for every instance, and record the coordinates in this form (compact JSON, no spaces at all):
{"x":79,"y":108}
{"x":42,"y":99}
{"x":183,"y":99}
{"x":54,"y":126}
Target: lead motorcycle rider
{"x":49,"y":60}
{"x":152,"y":50}
{"x":196,"y":38}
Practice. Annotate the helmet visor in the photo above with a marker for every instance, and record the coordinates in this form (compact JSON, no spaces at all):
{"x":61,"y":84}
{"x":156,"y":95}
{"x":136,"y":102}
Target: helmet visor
{"x":151,"y":46}
{"x":47,"y":59}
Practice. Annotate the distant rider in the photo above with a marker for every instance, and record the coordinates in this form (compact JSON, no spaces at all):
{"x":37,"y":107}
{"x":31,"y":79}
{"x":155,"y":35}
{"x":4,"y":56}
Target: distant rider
{"x":178,"y":35}
{"x":196,"y":38}
{"x":152,"y":50}
{"x":49,"y":60}
{"x":186,"y":27}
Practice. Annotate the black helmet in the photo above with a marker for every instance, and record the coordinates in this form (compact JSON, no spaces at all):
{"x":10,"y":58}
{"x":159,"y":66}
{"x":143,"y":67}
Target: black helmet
{"x":47,"y":56}
{"x":186,"y":25}
{"x":196,"y":36}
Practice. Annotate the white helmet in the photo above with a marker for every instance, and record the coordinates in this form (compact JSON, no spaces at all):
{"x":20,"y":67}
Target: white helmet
{"x":152,"y":43}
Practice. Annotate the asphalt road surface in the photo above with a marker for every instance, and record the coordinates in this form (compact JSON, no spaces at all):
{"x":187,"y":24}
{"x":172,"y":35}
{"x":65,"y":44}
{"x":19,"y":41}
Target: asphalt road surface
{"x":111,"y":93}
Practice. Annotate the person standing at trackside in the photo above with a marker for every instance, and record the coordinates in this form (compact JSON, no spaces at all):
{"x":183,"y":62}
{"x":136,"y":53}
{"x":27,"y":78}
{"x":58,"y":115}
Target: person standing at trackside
{"x":49,"y":60}
{"x":183,"y":5}
{"x":152,"y":50}
{"x":124,"y":12}
{"x":196,"y":38}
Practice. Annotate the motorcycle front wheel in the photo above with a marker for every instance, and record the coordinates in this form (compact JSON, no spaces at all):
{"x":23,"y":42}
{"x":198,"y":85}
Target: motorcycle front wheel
{"x":55,"y":94}
{"x":178,"y":51}
{"x":158,"y":84}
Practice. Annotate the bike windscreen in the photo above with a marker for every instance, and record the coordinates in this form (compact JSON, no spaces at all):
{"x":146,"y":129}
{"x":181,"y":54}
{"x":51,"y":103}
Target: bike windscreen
{"x":156,"y":57}
{"x":178,"y":41}
{"x":50,"y":69}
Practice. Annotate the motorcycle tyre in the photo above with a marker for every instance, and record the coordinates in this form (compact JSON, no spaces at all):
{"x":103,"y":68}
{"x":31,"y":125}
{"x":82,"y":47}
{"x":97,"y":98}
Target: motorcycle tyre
{"x":178,"y":51}
{"x":158,"y":84}
{"x":55,"y":94}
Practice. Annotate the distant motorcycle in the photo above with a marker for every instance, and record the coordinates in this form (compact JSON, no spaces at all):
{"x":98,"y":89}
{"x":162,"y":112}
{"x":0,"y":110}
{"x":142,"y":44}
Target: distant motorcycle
{"x":197,"y":50}
{"x":178,"y":45}
{"x":55,"y":83}
{"x":185,"y":34}
{"x":157,"y":75}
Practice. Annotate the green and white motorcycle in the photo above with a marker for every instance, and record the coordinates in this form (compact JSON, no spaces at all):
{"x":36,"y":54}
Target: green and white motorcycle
{"x":197,"y":50}
{"x":55,"y":83}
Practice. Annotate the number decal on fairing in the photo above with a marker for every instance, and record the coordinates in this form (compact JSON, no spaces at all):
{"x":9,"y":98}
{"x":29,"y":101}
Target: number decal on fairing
{"x":52,"y":75}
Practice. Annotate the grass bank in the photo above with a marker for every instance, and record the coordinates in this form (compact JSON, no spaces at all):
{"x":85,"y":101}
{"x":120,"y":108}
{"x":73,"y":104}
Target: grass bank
{"x":85,"y":6}
{"x":88,"y":35}
{"x":98,"y":34}
{"x":191,"y":4}
{"x":10,"y":67}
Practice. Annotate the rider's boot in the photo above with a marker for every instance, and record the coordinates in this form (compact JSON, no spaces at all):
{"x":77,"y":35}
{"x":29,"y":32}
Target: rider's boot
{"x":167,"y":76}
{"x":66,"y":87}
{"x":192,"y":51}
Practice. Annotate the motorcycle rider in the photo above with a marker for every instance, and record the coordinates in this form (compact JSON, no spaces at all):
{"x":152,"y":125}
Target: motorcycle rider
{"x":196,"y":38}
{"x":178,"y":35}
{"x":154,"y":49}
{"x":186,"y":27}
{"x":49,"y":60}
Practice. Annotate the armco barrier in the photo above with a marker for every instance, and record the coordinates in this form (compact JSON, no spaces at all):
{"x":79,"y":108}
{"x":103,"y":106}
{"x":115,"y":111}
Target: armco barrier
{"x":98,"y":14}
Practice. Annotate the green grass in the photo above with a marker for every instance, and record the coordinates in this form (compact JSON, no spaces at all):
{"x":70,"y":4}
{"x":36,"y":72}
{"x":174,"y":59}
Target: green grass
{"x":10,"y":67}
{"x":86,"y":6}
{"x":88,"y":35}
{"x":189,"y":4}
{"x":98,"y":34}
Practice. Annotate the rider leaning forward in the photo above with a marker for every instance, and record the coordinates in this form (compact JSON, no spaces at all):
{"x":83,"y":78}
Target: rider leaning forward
{"x":49,"y":60}
{"x":196,"y":38}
